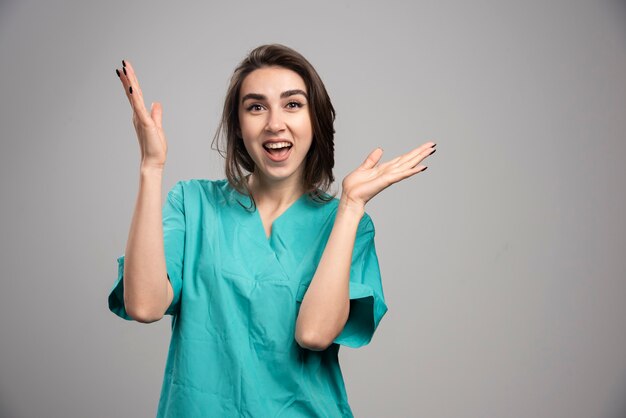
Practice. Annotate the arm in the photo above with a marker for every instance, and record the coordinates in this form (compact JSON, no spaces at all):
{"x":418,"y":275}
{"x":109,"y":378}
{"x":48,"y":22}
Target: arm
{"x":326,"y":304}
{"x":147,"y":291}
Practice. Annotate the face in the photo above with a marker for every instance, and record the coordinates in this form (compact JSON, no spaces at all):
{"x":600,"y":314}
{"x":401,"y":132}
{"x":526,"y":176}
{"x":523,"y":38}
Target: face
{"x":273,"y":108}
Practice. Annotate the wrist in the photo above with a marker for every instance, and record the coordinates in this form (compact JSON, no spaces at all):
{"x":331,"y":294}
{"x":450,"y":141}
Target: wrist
{"x":151,"y":171}
{"x":350,"y":207}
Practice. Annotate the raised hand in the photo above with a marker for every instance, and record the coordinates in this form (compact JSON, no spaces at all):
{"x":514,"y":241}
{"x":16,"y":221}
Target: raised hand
{"x":369,"y":179}
{"x":148,"y":126}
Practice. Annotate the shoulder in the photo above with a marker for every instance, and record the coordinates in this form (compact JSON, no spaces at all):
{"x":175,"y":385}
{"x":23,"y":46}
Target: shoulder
{"x":196,"y":189}
{"x":197,"y":184}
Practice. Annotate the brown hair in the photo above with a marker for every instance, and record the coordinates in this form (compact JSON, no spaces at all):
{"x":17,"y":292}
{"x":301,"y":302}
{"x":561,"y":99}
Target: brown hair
{"x":319,"y":161}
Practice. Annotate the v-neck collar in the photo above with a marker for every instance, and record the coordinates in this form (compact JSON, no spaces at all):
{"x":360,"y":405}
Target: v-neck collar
{"x":256,"y":223}
{"x":295,"y":232}
{"x":292,"y":207}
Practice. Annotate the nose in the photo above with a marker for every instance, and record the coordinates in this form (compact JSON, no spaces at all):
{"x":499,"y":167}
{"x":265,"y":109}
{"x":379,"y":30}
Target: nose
{"x":275,"y":122}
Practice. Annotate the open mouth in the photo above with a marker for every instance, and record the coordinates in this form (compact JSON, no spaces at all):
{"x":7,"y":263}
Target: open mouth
{"x":278,"y":152}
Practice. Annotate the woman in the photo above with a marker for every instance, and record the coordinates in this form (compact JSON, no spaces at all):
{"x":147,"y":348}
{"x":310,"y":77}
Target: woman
{"x":265,"y":274}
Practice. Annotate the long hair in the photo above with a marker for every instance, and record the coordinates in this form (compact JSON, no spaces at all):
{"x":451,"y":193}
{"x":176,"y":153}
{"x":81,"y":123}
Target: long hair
{"x":320,"y":159}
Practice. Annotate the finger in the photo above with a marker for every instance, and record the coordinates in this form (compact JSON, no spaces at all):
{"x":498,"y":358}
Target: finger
{"x":372,"y":158}
{"x":418,"y":158}
{"x":411,"y":154}
{"x":133,"y":92}
{"x":401,"y":175}
{"x":416,"y":152}
{"x":157,"y":114}
{"x":134,"y":82}
{"x":398,"y":163}
{"x":125,"y":83}
{"x":390,"y":163}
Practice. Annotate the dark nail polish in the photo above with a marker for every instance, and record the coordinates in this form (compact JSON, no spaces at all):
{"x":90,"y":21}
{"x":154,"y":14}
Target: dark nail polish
{"x":117,"y":72}
{"x":434,"y":151}
{"x":124,"y":63}
{"x":130,"y":89}
{"x":424,"y":168}
{"x":434,"y":145}
{"x":125,"y":71}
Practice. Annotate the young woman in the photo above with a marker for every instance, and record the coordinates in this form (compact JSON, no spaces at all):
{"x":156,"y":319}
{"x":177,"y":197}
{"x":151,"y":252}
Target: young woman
{"x":264,"y":273}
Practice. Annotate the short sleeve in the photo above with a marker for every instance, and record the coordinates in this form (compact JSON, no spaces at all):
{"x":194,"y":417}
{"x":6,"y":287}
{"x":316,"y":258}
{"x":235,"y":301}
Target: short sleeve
{"x":174,"y":247}
{"x":367,"y":300}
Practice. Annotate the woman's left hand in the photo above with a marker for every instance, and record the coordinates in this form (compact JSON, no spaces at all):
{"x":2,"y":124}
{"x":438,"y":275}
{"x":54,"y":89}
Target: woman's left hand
{"x":370,"y":179}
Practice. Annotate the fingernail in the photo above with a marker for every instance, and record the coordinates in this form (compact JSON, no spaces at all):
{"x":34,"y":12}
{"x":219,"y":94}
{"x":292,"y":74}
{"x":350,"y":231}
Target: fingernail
{"x":424,"y":168}
{"x":130,"y":89}
{"x":124,"y":63}
{"x":125,"y":71}
{"x":434,"y":145}
{"x":434,"y":151}
{"x":117,"y":72}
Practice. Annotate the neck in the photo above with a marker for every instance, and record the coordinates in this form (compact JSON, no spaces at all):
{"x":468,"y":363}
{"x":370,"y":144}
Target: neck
{"x":275,"y":194}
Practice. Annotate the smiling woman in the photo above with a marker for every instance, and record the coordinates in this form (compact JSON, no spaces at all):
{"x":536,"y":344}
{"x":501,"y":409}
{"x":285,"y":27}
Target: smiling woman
{"x":265,"y":274}
{"x":274,"y":110}
{"x":253,"y":96}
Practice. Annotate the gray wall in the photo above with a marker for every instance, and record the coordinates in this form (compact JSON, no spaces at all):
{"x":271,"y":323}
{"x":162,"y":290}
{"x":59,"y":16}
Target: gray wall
{"x":503,"y":264}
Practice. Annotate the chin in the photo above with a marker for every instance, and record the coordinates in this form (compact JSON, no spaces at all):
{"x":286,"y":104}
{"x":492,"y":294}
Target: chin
{"x":277,"y":173}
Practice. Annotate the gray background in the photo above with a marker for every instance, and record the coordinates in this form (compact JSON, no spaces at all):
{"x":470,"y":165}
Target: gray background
{"x":503,"y":264}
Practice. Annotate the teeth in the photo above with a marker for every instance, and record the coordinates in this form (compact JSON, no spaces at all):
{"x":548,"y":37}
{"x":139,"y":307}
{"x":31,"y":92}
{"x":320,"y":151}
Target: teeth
{"x":277,"y":145}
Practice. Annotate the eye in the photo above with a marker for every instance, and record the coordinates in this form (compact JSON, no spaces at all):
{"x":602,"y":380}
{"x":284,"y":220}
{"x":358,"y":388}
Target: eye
{"x":254,"y":107}
{"x":294,"y":105}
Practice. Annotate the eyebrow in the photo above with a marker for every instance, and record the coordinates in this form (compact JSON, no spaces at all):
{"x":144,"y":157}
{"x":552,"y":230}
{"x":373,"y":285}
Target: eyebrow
{"x":288,"y":93}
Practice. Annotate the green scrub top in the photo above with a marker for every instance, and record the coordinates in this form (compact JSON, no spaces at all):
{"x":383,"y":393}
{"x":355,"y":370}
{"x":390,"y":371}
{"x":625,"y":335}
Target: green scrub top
{"x":237,"y":295}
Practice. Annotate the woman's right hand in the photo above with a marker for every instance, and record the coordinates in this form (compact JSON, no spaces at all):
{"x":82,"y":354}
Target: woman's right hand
{"x":148,"y":126}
